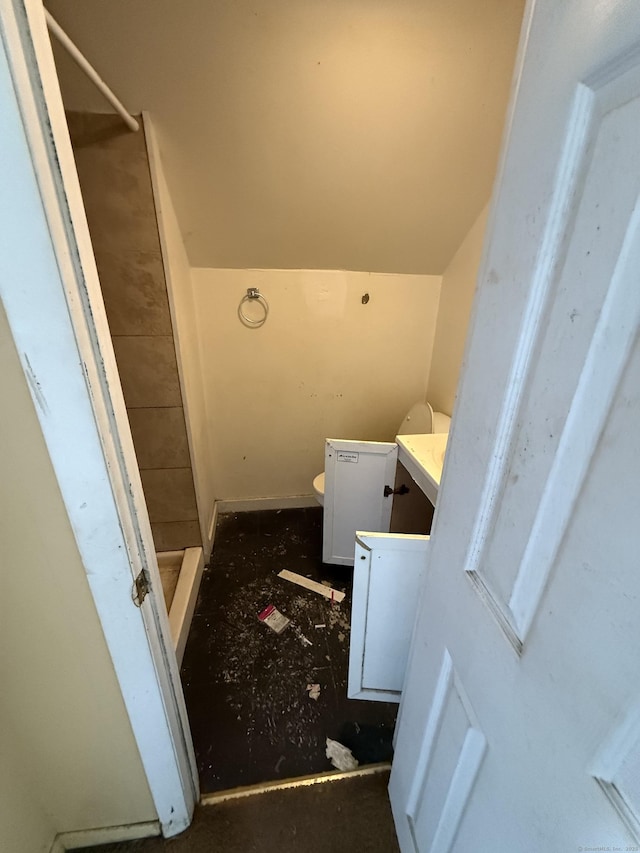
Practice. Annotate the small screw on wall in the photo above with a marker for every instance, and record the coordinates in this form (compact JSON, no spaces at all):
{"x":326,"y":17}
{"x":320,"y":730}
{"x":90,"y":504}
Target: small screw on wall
{"x":365,"y":298}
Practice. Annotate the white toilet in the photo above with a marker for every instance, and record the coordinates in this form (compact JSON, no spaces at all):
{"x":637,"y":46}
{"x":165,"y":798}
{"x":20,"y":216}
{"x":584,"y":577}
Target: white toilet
{"x":419,"y":419}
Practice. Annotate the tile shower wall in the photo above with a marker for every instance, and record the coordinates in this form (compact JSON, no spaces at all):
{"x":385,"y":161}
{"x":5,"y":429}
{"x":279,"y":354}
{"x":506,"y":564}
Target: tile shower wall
{"x":113,"y":168}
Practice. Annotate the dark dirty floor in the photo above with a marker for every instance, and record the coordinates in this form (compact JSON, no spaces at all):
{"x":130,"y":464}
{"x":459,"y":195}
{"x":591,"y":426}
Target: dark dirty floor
{"x":335,"y":817}
{"x":252,"y":719}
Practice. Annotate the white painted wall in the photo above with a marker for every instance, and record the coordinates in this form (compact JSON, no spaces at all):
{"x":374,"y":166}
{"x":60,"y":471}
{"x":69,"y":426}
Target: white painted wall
{"x":456,"y":300}
{"x":185,"y":332}
{"x":323,"y":365}
{"x":61,"y":709}
{"x":334,"y":135}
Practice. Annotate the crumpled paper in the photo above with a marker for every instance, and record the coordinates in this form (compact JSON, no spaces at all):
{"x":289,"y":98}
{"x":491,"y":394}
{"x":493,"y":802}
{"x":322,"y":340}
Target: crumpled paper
{"x":340,"y":756}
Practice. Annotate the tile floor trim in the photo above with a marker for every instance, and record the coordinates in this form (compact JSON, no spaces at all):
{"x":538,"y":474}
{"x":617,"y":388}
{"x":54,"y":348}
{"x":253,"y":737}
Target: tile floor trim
{"x":184,"y":598}
{"x":299,"y":782}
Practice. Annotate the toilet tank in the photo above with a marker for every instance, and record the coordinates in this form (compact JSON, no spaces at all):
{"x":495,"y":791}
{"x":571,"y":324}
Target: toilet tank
{"x":419,"y":419}
{"x":441,"y":422}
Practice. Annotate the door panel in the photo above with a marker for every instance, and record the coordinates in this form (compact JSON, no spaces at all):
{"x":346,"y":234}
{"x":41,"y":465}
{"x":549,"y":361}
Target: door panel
{"x":585,"y":307}
{"x":356,"y":473}
{"x":616,"y":768}
{"x":451,"y":755}
{"x":528,"y":615}
{"x":387,"y":577}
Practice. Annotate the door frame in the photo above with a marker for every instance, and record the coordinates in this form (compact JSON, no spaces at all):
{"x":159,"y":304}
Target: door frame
{"x":59,"y":326}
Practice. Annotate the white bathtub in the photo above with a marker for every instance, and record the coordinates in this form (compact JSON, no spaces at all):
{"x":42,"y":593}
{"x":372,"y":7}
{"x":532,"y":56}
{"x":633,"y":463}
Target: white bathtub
{"x":189,"y":564}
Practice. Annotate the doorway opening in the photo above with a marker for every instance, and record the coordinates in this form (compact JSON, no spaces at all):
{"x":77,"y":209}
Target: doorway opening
{"x":168,"y":476}
{"x":251,"y":694}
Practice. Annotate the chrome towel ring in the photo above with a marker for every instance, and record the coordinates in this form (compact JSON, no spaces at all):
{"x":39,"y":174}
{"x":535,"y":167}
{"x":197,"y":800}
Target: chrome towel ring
{"x":253,"y":295}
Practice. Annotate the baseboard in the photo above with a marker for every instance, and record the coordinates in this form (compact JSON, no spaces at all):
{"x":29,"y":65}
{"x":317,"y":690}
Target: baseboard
{"x":211,"y":532}
{"x":104,"y":835}
{"x":252,"y":504}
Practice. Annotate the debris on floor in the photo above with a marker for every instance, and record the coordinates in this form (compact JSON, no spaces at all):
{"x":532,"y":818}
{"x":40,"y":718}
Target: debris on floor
{"x":321,"y":589}
{"x":274,"y":619}
{"x":279,"y":764}
{"x":340,"y":756}
{"x":245,"y":684}
{"x":321,"y":625}
{"x":304,"y":640}
{"x":314,"y":691}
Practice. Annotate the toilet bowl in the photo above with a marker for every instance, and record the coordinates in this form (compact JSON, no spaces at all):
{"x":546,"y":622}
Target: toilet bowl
{"x":419,"y":419}
{"x":318,"y":488}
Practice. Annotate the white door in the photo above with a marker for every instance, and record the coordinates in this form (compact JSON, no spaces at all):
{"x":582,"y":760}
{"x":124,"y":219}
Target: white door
{"x":520,"y":715}
{"x":358,"y":493}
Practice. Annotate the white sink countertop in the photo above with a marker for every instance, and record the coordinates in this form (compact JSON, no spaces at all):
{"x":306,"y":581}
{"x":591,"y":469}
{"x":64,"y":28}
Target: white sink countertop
{"x":423,"y":457}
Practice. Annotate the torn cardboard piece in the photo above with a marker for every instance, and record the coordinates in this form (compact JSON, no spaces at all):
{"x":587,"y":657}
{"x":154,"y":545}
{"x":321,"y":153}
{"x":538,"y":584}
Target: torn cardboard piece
{"x":321,"y":589}
{"x":341,"y":757}
{"x":274,"y":619}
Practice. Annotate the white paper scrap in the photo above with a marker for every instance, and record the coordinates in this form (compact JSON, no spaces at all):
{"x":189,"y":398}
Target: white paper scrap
{"x":314,"y":691}
{"x":327,"y":591}
{"x":340,"y":756}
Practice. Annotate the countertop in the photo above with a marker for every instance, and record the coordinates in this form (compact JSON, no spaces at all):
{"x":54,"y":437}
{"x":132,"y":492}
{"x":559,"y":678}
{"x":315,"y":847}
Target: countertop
{"x":423,"y":457}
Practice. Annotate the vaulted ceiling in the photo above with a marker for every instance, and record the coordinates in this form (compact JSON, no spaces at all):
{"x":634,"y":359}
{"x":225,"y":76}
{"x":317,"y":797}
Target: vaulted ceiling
{"x":318,"y":134}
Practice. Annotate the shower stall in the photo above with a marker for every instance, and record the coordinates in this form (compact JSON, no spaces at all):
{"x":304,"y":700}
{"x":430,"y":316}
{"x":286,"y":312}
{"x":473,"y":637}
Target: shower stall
{"x":116,"y":182}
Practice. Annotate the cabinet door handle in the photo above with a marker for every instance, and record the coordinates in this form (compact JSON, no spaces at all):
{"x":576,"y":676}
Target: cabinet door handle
{"x":401,"y":490}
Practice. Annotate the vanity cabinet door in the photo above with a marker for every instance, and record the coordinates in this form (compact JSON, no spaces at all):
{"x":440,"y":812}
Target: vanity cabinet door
{"x":387,"y":580}
{"x":356,"y":497}
{"x":412,"y":510}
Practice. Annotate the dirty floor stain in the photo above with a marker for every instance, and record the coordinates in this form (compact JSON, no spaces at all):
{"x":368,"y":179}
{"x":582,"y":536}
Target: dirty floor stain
{"x":251,"y":714}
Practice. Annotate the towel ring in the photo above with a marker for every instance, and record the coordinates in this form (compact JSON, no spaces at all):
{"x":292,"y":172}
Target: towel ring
{"x":253,"y":295}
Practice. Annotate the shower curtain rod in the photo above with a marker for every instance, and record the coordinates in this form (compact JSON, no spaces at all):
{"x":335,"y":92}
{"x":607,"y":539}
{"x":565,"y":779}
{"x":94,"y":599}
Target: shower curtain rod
{"x":90,"y":71}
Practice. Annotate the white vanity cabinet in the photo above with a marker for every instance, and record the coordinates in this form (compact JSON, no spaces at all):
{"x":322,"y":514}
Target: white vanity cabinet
{"x":360,"y":477}
{"x":360,"y":480}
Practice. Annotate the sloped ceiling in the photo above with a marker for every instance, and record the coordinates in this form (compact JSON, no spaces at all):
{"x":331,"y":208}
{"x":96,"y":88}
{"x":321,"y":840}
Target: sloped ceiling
{"x":318,"y":134}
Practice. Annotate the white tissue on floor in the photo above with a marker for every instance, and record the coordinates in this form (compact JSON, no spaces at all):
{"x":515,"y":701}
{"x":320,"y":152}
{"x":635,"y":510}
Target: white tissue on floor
{"x":340,"y":756}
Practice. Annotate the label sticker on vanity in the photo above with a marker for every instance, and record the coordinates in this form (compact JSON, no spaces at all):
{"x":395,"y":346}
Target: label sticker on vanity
{"x":348,"y":456}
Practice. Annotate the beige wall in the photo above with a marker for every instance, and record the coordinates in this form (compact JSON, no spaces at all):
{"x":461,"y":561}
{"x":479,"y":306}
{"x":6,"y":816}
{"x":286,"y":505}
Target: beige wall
{"x":62,"y":717}
{"x":323,"y":365}
{"x":335,"y":135}
{"x":24,"y":825}
{"x":185,"y":330}
{"x":113,"y":168}
{"x":456,"y":299}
